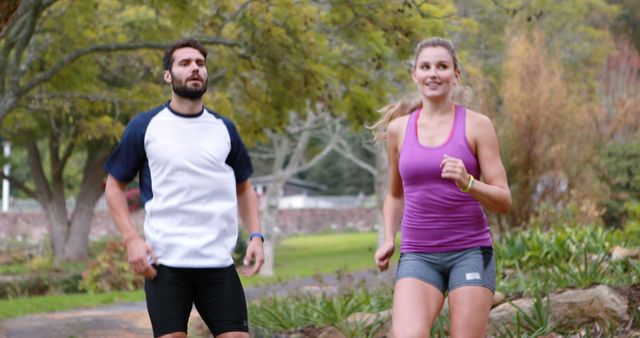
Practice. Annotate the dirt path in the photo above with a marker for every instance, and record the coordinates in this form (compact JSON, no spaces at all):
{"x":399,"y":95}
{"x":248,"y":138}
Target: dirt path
{"x":130,"y":320}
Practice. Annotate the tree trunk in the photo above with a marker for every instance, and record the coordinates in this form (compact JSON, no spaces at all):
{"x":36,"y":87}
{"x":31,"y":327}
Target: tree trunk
{"x":77,"y":245}
{"x":69,"y":236}
{"x":269,"y":222}
{"x":289,"y":159}
{"x":380,"y":180}
{"x":56,"y":214}
{"x":7,"y":9}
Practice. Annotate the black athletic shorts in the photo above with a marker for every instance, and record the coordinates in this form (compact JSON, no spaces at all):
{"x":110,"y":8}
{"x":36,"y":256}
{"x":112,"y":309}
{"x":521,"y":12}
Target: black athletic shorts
{"x":216,"y":292}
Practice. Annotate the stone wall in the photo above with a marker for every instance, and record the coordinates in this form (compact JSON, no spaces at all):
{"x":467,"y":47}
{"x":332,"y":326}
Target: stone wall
{"x":32,"y":226}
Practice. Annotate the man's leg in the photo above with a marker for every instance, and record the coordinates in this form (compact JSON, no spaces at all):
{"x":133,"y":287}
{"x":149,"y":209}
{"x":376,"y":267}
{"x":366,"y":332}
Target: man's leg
{"x":219,"y":298}
{"x":169,"y":302}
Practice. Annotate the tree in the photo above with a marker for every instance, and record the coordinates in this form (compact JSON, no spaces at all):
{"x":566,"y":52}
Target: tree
{"x":266,"y":66}
{"x":544,"y":118}
{"x":7,"y":10}
{"x":619,"y":96}
{"x":340,"y":175}
{"x":333,"y":59}
{"x":289,"y":154}
{"x":377,"y":169}
{"x":71,"y":101}
{"x":620,"y":172}
{"x":626,"y":22}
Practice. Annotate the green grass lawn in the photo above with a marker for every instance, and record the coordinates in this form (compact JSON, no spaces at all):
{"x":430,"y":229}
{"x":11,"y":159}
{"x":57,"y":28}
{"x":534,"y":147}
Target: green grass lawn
{"x":17,"y":307}
{"x":300,"y":256}
{"x":304,"y":256}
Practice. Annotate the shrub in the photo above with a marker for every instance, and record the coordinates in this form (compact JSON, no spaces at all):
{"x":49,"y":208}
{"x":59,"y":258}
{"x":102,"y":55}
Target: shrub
{"x":110,"y":271}
{"x":278,"y":315}
{"x":621,"y":172}
{"x":40,"y":283}
{"x":241,"y":248}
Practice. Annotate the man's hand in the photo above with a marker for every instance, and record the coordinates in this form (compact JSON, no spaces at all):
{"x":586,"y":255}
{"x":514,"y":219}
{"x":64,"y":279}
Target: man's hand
{"x":255,"y":252}
{"x":141,"y":257}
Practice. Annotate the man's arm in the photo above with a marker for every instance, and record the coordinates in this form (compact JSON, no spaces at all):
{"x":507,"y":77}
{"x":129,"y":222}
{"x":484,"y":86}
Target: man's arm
{"x":139,"y":253}
{"x":248,"y":210}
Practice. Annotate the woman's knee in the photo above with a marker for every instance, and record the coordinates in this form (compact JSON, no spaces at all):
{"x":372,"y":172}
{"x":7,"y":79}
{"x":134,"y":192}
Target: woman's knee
{"x":409,"y":330}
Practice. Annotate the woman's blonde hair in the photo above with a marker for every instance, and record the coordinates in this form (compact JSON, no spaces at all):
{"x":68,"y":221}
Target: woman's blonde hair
{"x":413,"y":101}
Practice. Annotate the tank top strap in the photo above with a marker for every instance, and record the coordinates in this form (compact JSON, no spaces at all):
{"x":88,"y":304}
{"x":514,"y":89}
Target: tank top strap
{"x":459,"y":123}
{"x":411,"y":133}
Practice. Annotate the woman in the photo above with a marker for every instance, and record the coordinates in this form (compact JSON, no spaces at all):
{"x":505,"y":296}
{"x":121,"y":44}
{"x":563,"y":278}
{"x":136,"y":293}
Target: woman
{"x":444,"y":166}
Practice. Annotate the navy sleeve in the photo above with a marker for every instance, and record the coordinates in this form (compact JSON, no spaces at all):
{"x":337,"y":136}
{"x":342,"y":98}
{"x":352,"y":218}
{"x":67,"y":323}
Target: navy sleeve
{"x":129,"y":156}
{"x":238,"y":157}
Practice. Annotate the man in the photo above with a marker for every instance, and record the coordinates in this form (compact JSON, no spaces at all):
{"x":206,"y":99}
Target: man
{"x":194,"y":180}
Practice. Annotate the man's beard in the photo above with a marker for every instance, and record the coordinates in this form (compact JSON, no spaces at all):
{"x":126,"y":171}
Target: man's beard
{"x":188,"y":93}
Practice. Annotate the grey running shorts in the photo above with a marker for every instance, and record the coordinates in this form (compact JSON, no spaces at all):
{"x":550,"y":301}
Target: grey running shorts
{"x":449,"y":270}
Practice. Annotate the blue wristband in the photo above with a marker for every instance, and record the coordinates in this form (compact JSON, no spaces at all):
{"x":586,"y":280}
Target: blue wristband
{"x":256,"y":234}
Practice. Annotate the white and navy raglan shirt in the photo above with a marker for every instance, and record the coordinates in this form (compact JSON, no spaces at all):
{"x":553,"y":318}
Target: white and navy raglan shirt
{"x":188,"y":168}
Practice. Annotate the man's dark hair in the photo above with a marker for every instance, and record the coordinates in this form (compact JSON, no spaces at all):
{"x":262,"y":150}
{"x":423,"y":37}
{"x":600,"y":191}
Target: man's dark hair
{"x":167,"y":59}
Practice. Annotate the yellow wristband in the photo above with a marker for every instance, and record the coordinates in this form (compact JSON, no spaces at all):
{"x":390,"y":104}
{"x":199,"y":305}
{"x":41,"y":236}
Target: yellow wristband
{"x":471,"y":179}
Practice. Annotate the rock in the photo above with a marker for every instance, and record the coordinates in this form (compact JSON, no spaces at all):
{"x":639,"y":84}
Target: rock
{"x":331,"y":332}
{"x":498,"y":298}
{"x":504,"y":314}
{"x":365,"y":318}
{"x":318,"y":290}
{"x":620,"y":253}
{"x":197,"y":327}
{"x":600,"y":304}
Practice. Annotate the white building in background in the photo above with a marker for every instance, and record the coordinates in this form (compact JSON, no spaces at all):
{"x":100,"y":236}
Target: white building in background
{"x":293,"y":186}
{"x":297,"y":194}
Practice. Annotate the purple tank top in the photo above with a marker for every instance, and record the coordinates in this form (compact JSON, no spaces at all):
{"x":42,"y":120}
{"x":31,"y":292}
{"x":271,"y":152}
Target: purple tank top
{"x":438,"y":217}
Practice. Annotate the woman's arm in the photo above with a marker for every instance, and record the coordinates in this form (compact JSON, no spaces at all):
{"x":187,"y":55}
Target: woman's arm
{"x":393,"y":204}
{"x":493,"y":191}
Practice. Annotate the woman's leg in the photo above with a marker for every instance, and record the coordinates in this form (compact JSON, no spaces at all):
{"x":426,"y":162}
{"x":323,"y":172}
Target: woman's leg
{"x":416,"y":305}
{"x":472,"y":279}
{"x":469,"y":308}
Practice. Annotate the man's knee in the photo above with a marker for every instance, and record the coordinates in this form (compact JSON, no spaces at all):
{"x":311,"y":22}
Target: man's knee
{"x":175,"y":335}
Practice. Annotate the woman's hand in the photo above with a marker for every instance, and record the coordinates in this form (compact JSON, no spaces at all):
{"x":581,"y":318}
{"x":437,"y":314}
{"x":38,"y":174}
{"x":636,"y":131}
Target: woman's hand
{"x":383,"y":255}
{"x":453,"y":168}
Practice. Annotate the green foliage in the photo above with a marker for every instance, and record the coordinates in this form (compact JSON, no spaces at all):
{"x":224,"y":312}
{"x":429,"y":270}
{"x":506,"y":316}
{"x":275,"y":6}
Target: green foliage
{"x":110,"y":271}
{"x":621,"y":173}
{"x":535,"y":323}
{"x":36,"y":283}
{"x":560,"y":258}
{"x":340,"y":176}
{"x":631,"y":230}
{"x":622,"y":272}
{"x":580,"y":273}
{"x":626,"y":22}
{"x":533,"y":248}
{"x":441,"y":326}
{"x":363,"y":328}
{"x":279,"y":315}
{"x":332,"y":310}
{"x":241,"y":248}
